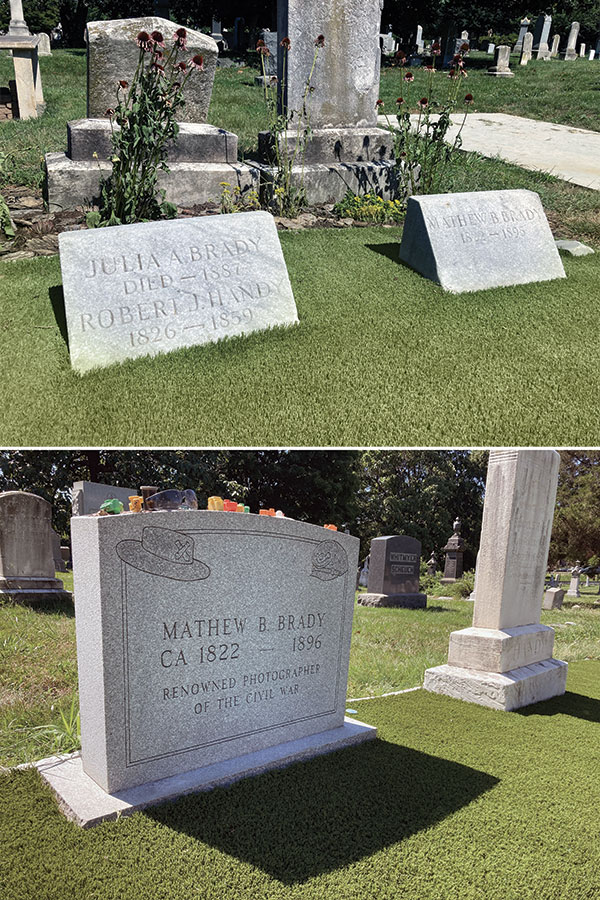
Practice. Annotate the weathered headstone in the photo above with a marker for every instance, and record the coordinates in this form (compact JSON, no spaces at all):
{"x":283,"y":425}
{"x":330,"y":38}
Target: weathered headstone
{"x":555,"y":46}
{"x":582,"y":51}
{"x":526,"y":48}
{"x":432,"y":564}
{"x":591,"y":54}
{"x":541,"y":30}
{"x":574,"y":583}
{"x":59,"y":563}
{"x":525,"y":23}
{"x":137,"y":290}
{"x":505,"y":660}
{"x":501,"y":67}
{"x":490,"y":49}
{"x":43,"y":40}
{"x":543,"y":51}
{"x":394,"y":568}
{"x":388,"y":43}
{"x":363,"y":578}
{"x":454,"y":550}
{"x":553,"y":598}
{"x":234,"y":636}
{"x":571,"y":51}
{"x":419,"y":40}
{"x":480,"y":239}
{"x":88,"y":496}
{"x":268,"y":60}
{"x":27,"y":572}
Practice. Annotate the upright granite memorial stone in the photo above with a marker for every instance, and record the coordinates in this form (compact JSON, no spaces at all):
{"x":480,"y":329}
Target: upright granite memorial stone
{"x":505,"y":660}
{"x":574,"y":583}
{"x":432,"y":564}
{"x":27,"y":571}
{"x":525,"y":23}
{"x":346,"y":150}
{"x":526,"y":49}
{"x":232,"y":634}
{"x":394,"y":569}
{"x":480,"y":239}
{"x":571,"y":51}
{"x":501,"y":67}
{"x":269,"y":60}
{"x":88,"y":496}
{"x":454,"y":550}
{"x":201,"y":157}
{"x":553,"y":598}
{"x":137,"y":290}
{"x":541,"y":30}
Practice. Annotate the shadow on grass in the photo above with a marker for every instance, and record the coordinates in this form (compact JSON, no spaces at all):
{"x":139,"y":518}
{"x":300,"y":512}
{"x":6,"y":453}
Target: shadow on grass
{"x":324,"y":814}
{"x":569,"y":704}
{"x":57,"y":299}
{"x":389,"y":250}
{"x":55,"y":605}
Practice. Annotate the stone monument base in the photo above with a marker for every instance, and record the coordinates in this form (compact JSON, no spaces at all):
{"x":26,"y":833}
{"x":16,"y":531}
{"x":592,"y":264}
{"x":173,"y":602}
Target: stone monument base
{"x":405,"y":601}
{"x":507,"y":690}
{"x":33,"y":590}
{"x":83,"y":801}
{"x":500,"y":650}
{"x":329,"y":183}
{"x":500,"y":72}
{"x":200,"y":160}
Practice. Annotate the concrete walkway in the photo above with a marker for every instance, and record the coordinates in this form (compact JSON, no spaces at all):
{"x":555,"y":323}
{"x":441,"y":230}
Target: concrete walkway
{"x":572,"y":154}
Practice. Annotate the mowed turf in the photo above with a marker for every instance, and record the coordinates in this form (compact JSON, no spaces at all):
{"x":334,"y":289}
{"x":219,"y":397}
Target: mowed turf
{"x":452,"y":800}
{"x":381,"y":356}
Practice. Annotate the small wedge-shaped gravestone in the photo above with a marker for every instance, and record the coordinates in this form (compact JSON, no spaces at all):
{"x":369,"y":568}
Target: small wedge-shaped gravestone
{"x":483,"y":239}
{"x":137,"y":290}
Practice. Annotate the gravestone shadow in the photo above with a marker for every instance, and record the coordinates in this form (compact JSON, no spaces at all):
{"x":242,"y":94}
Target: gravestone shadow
{"x":392,"y":251}
{"x":57,"y":299}
{"x":324,"y":814}
{"x":568,"y":704}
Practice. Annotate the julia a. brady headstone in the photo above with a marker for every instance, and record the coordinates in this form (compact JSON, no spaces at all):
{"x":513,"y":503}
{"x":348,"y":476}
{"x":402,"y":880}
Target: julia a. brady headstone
{"x":505,"y":660}
{"x":232,"y":636}
{"x":135,"y":290}
{"x":481,"y":239}
{"x":394,"y":568}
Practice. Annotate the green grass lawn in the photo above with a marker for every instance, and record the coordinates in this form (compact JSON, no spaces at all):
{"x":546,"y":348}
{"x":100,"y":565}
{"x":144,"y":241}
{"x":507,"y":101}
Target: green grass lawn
{"x":381,"y":357}
{"x":452,"y":801}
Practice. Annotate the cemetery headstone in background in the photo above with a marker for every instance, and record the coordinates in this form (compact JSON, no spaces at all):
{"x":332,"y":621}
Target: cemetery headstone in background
{"x":480,"y":239}
{"x":269,"y":60}
{"x":501,"y":67}
{"x":555,"y":46}
{"x":27,"y":572}
{"x":394,"y":568}
{"x":201,"y":158}
{"x":88,"y":496}
{"x":526,"y":49}
{"x":541,"y":30}
{"x":553,"y":598}
{"x":505,"y":660}
{"x":454,"y":550}
{"x":525,"y":23}
{"x":571,"y":51}
{"x":574,"y":582}
{"x":234,"y":632}
{"x":59,"y":563}
{"x":138,"y":290}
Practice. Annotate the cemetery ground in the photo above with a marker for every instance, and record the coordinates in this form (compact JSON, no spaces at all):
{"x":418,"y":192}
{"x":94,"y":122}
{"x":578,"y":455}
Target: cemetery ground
{"x":453,"y":799}
{"x":381,"y":355}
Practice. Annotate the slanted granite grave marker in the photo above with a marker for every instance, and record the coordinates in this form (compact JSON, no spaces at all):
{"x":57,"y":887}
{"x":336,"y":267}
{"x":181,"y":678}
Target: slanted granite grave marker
{"x":525,"y":23}
{"x":394,"y":568}
{"x":553,"y":598}
{"x":541,"y":30}
{"x":88,"y":496}
{"x":480,"y":239}
{"x":505,"y":660}
{"x":137,"y":290}
{"x":27,"y":572}
{"x":233,"y":636}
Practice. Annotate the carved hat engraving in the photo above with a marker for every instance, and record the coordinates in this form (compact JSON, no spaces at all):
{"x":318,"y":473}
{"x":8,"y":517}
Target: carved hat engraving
{"x":329,"y":561}
{"x":164,"y":552}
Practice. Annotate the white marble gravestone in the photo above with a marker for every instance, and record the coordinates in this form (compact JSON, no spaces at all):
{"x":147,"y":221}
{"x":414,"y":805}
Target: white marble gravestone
{"x":209,"y":643}
{"x":480,"y":239}
{"x":137,"y":290}
{"x":88,"y":496}
{"x":505,"y":660}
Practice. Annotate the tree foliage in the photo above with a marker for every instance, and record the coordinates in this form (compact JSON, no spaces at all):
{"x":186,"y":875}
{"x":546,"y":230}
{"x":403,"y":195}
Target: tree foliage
{"x":40,"y":15}
{"x":576,"y":529}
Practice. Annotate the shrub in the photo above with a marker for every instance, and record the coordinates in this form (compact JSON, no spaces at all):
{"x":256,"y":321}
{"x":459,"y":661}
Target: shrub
{"x":370,"y":208}
{"x":460,"y":590}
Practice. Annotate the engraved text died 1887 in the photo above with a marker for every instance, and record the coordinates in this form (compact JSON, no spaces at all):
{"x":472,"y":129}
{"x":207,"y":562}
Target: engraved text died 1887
{"x":135,"y":290}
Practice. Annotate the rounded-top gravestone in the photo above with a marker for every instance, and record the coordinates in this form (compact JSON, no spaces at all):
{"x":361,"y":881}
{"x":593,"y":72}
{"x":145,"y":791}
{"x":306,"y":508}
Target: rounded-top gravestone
{"x":394,"y":568}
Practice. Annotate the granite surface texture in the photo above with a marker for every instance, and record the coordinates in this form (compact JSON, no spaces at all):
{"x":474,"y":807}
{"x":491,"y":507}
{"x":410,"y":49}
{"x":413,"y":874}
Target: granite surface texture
{"x":231,"y":632}
{"x":144,"y":289}
{"x":480,"y":239}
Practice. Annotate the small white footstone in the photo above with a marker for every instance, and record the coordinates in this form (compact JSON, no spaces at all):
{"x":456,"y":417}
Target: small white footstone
{"x":511,"y":690}
{"x":83,"y":801}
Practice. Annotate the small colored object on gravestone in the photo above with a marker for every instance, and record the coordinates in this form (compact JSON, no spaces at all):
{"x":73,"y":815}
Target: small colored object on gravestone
{"x":241,"y":507}
{"x":135,"y":503}
{"x":146,"y":490}
{"x":111,"y":507}
{"x":263,"y":512}
{"x":331,"y":527}
{"x":271,"y":511}
{"x":246,"y":509}
{"x":229,"y":505}
{"x":215,"y":504}
{"x":279,"y":514}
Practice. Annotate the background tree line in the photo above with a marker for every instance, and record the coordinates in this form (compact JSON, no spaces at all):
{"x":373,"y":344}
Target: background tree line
{"x":403,"y":15}
{"x":372,"y":492}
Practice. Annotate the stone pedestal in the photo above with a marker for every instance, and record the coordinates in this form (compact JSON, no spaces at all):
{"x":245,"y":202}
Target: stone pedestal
{"x":505,"y":660}
{"x":501,"y":66}
{"x":394,"y":567}
{"x":200,"y":160}
{"x":454,"y":550}
{"x":28,"y":80}
{"x":346,"y":151}
{"x":27,"y":572}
